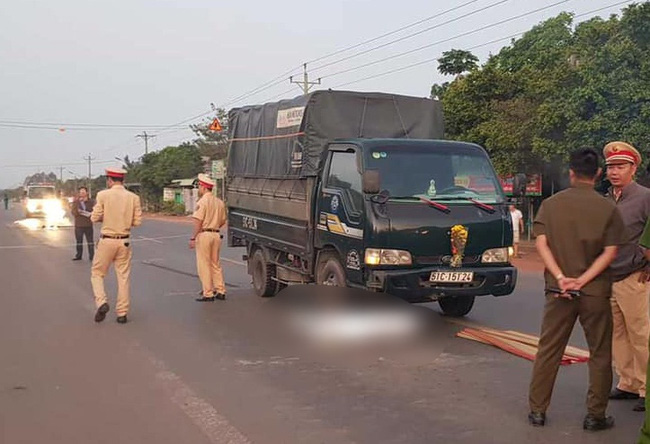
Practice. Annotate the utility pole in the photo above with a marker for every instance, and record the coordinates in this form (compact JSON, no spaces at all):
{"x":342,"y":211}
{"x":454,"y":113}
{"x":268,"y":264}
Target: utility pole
{"x":61,"y":180}
{"x":305,"y":84}
{"x":146,"y":138}
{"x":89,"y":159}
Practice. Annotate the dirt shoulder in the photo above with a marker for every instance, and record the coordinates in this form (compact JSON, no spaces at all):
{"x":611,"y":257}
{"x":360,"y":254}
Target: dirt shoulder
{"x":168,"y":218}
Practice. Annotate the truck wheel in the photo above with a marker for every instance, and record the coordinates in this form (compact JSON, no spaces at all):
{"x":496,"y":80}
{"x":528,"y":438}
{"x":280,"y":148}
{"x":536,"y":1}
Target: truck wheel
{"x":456,"y":306}
{"x":330,"y":271}
{"x":263,"y":274}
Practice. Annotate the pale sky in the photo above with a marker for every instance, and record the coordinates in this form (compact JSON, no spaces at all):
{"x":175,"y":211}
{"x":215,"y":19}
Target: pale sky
{"x":146,"y":64}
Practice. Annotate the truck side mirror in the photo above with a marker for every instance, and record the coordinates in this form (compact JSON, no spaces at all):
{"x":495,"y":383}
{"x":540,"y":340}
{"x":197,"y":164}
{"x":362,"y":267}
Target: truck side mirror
{"x":370,"y":181}
{"x":519,"y":185}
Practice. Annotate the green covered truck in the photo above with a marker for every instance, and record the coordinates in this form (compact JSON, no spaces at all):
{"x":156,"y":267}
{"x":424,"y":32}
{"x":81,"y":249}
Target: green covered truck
{"x":361,"y":190}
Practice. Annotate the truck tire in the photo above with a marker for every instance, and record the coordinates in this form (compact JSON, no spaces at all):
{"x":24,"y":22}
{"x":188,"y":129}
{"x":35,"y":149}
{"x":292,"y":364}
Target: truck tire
{"x":456,"y":306}
{"x":330,"y":271}
{"x":263,"y":274}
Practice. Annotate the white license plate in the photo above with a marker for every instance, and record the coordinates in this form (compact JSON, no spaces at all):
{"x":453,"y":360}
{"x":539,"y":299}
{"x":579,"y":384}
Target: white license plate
{"x":451,"y":276}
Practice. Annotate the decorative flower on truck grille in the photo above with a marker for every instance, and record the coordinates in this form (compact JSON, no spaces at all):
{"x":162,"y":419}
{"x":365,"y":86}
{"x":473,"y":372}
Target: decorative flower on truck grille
{"x":458,"y":242}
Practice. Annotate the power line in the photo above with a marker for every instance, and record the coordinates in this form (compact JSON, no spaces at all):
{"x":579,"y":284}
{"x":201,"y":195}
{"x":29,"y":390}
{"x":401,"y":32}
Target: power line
{"x":275,"y":81}
{"x":423,"y":62}
{"x":81,"y":125}
{"x":492,"y":5}
{"x":391,"y":32}
{"x":443,"y":41}
{"x":602,"y":9}
{"x":52,"y":165}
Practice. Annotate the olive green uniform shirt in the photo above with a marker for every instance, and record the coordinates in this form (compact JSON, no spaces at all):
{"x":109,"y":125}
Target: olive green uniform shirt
{"x":579,"y":223}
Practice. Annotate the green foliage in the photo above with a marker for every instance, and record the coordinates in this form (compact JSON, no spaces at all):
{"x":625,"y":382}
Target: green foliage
{"x":457,"y":61}
{"x":41,"y":178}
{"x":556,"y":89}
{"x":157,"y":169}
{"x":173,"y":208}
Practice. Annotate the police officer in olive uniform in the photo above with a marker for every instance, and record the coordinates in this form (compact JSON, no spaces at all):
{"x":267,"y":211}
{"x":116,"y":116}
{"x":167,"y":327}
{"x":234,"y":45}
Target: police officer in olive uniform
{"x":578,"y":232}
{"x":209,"y":217}
{"x":119,"y":210}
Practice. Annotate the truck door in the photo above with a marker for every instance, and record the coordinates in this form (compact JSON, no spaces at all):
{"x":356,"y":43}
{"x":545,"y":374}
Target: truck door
{"x":340,"y":209}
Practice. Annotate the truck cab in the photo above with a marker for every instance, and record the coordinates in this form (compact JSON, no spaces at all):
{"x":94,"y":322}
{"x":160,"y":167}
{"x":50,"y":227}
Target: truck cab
{"x":385,"y":211}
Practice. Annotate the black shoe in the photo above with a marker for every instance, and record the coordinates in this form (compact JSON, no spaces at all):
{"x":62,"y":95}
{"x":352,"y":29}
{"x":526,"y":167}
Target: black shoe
{"x":622,"y":394}
{"x":207,"y":299}
{"x":640,"y":405}
{"x":76,"y":258}
{"x":594,"y":424}
{"x":220,"y":296}
{"x":537,"y":419}
{"x":121,"y":319}
{"x":101,"y":312}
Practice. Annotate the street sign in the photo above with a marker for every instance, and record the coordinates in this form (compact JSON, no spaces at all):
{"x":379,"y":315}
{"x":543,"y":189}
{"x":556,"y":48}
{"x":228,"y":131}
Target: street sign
{"x":533,"y":187}
{"x":218,"y":169}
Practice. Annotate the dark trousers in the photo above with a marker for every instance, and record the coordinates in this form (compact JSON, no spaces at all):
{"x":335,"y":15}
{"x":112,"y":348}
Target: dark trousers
{"x":595,"y":315}
{"x":79,"y":233}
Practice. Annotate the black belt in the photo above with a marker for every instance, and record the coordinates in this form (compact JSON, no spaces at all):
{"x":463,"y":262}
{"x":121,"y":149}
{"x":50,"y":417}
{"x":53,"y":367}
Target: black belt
{"x":108,"y":236}
{"x":210,"y":229}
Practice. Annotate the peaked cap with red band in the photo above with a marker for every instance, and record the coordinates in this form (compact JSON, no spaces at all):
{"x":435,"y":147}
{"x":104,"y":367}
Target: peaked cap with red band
{"x":617,"y":152}
{"x":118,"y":173}
{"x":205,"y":180}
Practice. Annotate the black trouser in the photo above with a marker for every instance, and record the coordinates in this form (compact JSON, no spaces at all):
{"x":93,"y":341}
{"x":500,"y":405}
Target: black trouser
{"x":79,"y":233}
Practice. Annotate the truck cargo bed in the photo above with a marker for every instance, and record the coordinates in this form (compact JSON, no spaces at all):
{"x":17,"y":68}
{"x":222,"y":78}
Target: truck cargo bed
{"x":272,"y":212}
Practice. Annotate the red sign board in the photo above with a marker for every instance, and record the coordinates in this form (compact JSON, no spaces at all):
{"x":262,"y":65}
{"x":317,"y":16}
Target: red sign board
{"x":533,"y":187}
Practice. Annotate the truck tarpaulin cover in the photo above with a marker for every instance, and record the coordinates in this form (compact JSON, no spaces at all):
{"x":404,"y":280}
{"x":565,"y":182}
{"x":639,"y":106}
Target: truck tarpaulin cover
{"x":288,"y":139}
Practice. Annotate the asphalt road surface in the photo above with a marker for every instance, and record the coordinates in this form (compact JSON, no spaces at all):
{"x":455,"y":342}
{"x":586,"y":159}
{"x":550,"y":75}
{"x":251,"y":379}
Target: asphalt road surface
{"x":184,"y":371}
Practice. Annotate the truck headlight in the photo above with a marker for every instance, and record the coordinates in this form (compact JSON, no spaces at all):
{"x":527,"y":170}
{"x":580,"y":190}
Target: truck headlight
{"x":31,"y":206}
{"x":377,"y":256}
{"x":496,"y":256}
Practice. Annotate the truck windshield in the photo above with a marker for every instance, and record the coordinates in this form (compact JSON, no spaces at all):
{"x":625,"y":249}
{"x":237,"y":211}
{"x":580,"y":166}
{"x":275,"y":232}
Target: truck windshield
{"x":41,"y":193}
{"x":436,"y":174}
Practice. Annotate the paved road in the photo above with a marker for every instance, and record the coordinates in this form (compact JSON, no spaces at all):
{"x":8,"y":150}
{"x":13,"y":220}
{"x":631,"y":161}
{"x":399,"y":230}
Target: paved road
{"x":183,"y":371}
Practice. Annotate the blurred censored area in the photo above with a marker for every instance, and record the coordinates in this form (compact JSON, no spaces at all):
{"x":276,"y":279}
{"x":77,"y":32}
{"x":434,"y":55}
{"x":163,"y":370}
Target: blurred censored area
{"x":334,"y":322}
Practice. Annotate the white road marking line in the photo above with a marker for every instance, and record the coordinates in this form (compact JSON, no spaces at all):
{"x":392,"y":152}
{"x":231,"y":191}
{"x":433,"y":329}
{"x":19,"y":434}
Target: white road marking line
{"x":149,"y":239}
{"x":215,"y":426}
{"x":26,"y":247}
{"x":232,"y":261}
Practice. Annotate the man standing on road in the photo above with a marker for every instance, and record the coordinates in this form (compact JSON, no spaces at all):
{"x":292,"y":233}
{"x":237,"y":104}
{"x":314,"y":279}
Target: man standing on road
{"x":577,"y":232}
{"x":82,"y":208}
{"x":209,"y":218}
{"x":517,"y":227}
{"x":631,"y":289}
{"x":119,"y":210}
{"x":6,"y":199}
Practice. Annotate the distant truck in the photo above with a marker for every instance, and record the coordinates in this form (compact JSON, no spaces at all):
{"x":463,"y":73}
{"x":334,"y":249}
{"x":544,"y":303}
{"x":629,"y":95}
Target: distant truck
{"x":358,"y":189}
{"x":40,"y":200}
